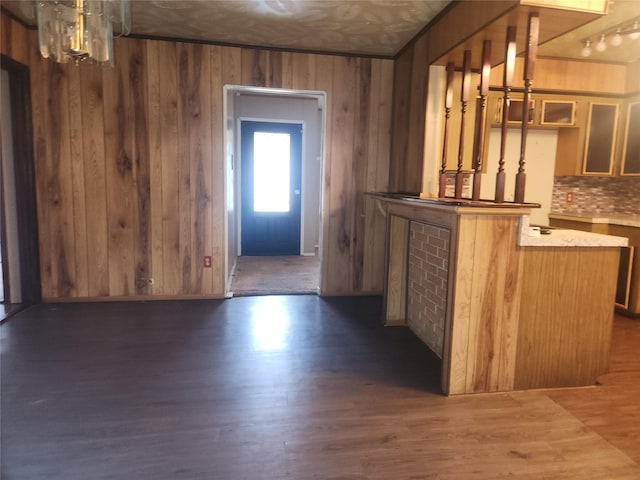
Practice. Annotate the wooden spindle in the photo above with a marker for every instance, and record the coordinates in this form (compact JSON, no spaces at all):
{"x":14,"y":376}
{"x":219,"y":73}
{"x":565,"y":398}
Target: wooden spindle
{"x":481,"y":119}
{"x":509,"y":64}
{"x":529,"y":68}
{"x":464,"y":100}
{"x":448,"y":102}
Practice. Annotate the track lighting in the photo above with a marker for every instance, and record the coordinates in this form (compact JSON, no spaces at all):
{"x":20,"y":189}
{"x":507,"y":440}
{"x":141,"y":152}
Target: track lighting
{"x":586,"y":50}
{"x":601,"y":46}
{"x":616,"y":40}
{"x":613,"y":36}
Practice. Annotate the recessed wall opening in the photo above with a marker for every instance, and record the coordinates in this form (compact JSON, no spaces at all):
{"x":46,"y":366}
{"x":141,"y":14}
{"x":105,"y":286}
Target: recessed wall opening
{"x":273,"y":197}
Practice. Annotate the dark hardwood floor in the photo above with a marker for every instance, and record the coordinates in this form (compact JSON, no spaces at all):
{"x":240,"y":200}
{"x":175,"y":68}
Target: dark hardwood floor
{"x":279,"y":387}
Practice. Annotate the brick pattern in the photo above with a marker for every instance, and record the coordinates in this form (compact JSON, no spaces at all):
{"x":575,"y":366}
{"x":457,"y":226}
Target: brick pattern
{"x":427,"y":283}
{"x":597,"y":195}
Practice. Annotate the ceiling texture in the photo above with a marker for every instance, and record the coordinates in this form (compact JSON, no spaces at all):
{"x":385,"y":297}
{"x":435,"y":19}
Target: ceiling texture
{"x":359,"y":27}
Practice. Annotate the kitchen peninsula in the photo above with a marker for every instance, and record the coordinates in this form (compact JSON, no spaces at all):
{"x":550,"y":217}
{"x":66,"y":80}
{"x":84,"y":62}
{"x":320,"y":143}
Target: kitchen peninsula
{"x":504,"y":307}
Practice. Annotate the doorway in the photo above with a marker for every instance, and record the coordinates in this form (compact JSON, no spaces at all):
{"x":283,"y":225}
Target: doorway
{"x":271,"y":188}
{"x":290,"y":239}
{"x":18,"y":215}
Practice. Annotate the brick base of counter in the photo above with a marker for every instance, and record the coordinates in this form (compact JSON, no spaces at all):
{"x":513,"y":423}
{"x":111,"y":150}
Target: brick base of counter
{"x":427,"y":283}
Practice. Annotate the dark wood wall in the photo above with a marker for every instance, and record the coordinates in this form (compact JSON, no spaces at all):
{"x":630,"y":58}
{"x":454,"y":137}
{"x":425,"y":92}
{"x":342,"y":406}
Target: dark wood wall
{"x":130,"y":159}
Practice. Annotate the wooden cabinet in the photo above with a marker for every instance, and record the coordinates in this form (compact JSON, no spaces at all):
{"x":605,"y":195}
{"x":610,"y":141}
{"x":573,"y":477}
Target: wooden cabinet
{"x":600,"y":140}
{"x":633,"y":265}
{"x":545,"y":111}
{"x":515,"y":114}
{"x":631,"y":148}
{"x":591,"y":145}
{"x":628,"y":283}
{"x":558,"y":113}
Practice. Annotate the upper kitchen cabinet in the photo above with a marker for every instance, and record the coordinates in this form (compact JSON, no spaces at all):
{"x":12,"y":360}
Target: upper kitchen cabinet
{"x":631,"y":152}
{"x":600,"y":139}
{"x":545,"y":110}
{"x":590,"y":147}
{"x":558,"y":113}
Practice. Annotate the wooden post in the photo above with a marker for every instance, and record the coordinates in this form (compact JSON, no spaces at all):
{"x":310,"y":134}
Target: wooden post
{"x":509,"y":64}
{"x":464,"y":99}
{"x":481,"y":119}
{"x":529,"y":68}
{"x":448,"y":102}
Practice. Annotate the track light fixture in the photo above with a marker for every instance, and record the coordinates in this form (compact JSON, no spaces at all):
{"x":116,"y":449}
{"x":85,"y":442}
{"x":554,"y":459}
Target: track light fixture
{"x":586,"y":50}
{"x":614,"y":36}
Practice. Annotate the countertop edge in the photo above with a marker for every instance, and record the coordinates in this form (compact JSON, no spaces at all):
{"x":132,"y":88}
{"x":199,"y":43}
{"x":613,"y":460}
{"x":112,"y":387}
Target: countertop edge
{"x":566,"y":238}
{"x":608,"y":219}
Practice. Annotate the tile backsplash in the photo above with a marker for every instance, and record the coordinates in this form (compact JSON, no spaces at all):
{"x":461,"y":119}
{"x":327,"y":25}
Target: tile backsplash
{"x":596,"y":195}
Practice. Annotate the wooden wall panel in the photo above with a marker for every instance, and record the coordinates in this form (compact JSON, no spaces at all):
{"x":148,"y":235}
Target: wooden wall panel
{"x":96,"y":200}
{"x":633,"y":73}
{"x":78,"y":186}
{"x":417,"y":110}
{"x":119,"y":171}
{"x":338,"y":217}
{"x":461,"y":21}
{"x":568,"y":318}
{"x":58,"y":171}
{"x":155,"y":164}
{"x":399,"y":180}
{"x":214,"y":216}
{"x":130,"y":163}
{"x":568,"y":75}
{"x":488,"y":269}
{"x":141,"y":167}
{"x":168,"y":65}
{"x":14,"y":40}
{"x":377,"y":175}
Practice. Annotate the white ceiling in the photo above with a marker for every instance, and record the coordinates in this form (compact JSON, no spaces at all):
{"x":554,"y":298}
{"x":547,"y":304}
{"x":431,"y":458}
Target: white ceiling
{"x":361,"y":27}
{"x":366,"y":27}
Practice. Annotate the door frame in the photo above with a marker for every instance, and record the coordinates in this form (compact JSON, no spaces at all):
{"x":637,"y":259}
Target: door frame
{"x":232,"y":161}
{"x":24,"y":170}
{"x":238,"y":182}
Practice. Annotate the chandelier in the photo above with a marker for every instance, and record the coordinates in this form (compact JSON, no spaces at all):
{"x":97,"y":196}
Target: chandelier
{"x":613,"y":37}
{"x":81,"y":30}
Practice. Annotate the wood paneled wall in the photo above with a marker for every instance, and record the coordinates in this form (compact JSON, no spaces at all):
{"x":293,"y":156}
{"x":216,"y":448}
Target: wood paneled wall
{"x":568,"y":75}
{"x":633,"y":73}
{"x":409,"y":112}
{"x":130,"y":165}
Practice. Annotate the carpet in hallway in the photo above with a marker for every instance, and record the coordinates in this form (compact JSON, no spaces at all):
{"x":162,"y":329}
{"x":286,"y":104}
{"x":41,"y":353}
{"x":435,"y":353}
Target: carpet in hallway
{"x":276,"y":275}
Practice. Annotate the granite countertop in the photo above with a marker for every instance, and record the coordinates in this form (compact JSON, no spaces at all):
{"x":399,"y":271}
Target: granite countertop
{"x":598,"y":217}
{"x":560,"y":237}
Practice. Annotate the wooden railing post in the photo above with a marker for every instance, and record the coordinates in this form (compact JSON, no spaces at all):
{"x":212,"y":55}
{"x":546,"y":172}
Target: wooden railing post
{"x":464,"y":100}
{"x":529,"y":68}
{"x":481,"y":121}
{"x":448,"y":102}
{"x":509,"y":64}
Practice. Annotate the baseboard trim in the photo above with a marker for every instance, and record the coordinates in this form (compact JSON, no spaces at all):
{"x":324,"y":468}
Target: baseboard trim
{"x":122,"y":298}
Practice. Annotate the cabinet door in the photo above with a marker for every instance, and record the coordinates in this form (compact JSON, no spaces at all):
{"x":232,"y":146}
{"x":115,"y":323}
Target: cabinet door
{"x":515,"y":111}
{"x":601,"y":134}
{"x":558,"y":112}
{"x":631,"y":154}
{"x":623,"y":288}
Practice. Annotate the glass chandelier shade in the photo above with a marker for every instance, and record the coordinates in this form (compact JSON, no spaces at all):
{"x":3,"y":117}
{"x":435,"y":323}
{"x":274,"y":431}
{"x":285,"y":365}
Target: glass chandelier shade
{"x":81,"y":30}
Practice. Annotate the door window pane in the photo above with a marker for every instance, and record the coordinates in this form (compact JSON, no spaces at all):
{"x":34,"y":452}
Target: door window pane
{"x":271,"y":175}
